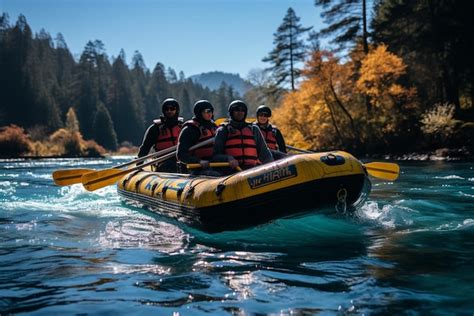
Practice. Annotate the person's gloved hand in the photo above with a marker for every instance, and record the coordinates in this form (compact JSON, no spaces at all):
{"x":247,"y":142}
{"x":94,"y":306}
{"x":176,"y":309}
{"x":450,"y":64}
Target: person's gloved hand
{"x":233,"y":163}
{"x":204,"y":164}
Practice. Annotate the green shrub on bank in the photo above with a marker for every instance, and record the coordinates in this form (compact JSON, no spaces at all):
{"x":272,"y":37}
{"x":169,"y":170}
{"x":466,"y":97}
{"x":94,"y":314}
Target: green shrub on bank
{"x":438,"y":123}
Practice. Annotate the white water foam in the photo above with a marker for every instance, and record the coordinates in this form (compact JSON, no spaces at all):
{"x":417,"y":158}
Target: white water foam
{"x":466,"y":194}
{"x":450,"y":177}
{"x":9,"y":175}
{"x":143,"y":232}
{"x":468,"y":223}
{"x":8,"y":188}
{"x":72,"y":199}
{"x":389,"y":215}
{"x":38,"y":176}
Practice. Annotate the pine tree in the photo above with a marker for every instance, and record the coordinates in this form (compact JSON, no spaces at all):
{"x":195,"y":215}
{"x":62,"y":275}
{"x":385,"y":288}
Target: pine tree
{"x":126,"y":115}
{"x":87,"y":91}
{"x":65,"y":70}
{"x":42,"y":67}
{"x":289,"y":50}
{"x":15,"y":91}
{"x":347,"y":21}
{"x":139,"y":76}
{"x":186,"y":103}
{"x":104,"y":132}
{"x":171,"y":75}
{"x":157,"y":91}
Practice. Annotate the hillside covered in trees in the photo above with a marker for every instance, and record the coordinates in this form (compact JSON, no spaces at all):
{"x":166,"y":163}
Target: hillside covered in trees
{"x":113,"y":102}
{"x":216,"y":80}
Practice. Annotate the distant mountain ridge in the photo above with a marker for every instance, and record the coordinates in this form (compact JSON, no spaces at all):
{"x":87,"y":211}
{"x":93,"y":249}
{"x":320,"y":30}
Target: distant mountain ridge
{"x":213,"y":80}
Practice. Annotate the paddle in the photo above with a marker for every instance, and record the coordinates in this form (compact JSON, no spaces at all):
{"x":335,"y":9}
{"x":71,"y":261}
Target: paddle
{"x":221,"y":120}
{"x":102,"y":178}
{"x":72,"y":176}
{"x":211,"y":165}
{"x":382,"y":170}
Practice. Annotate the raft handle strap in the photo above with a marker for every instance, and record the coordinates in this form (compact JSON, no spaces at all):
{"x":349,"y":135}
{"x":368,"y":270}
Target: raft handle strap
{"x":220,"y":187}
{"x":124,"y":182}
{"x":179,"y":192}
{"x":189,"y":192}
{"x":153,"y":188}
{"x":163,"y":191}
{"x":139,"y":181}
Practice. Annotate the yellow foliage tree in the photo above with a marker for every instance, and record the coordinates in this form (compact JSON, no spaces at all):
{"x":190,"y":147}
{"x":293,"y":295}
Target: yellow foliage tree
{"x":317,"y":115}
{"x":379,"y":75}
{"x":329,"y":110}
{"x":303,"y":119}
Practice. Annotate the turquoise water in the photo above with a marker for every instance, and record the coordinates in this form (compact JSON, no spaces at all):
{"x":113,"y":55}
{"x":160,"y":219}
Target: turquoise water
{"x":409,"y":249}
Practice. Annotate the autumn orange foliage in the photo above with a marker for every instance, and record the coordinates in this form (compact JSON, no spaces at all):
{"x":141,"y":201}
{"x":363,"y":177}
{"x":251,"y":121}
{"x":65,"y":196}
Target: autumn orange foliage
{"x":330,"y":110}
{"x":13,"y":141}
{"x":65,"y":142}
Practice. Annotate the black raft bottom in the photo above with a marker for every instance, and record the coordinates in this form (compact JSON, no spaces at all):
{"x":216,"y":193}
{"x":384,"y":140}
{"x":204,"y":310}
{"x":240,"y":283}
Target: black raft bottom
{"x":263,"y":208}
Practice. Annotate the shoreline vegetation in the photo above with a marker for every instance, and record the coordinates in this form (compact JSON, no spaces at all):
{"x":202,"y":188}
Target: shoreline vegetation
{"x":68,"y":143}
{"x":380,"y":90}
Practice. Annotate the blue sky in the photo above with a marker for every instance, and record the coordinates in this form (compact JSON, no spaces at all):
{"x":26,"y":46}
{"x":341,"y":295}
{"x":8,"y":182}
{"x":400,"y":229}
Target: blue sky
{"x":194,"y":36}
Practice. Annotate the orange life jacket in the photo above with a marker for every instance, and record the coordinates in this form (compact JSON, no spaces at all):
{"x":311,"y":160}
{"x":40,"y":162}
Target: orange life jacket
{"x":241,"y":145}
{"x":168,"y":137}
{"x":269,"y":134}
{"x":204,"y":152}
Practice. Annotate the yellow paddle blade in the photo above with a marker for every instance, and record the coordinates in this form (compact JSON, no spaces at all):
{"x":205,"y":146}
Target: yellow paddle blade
{"x":69,"y":176}
{"x":383,"y":170}
{"x":102,"y":178}
{"x":221,"y":120}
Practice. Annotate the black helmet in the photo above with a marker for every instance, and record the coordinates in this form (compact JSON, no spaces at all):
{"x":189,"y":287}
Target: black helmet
{"x":201,"y":105}
{"x":264,"y":109}
{"x":171,"y":103}
{"x":237,"y":104}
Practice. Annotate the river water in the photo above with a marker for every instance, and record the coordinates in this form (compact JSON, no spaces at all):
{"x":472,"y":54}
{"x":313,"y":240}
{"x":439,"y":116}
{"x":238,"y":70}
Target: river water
{"x":409,"y":249}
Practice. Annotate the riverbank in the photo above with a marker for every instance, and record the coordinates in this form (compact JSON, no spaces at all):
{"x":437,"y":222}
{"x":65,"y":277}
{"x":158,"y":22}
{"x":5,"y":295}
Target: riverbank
{"x":441,"y":154}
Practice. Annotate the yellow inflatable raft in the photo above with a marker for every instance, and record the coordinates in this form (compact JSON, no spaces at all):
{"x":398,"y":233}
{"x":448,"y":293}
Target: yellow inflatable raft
{"x":282,"y":188}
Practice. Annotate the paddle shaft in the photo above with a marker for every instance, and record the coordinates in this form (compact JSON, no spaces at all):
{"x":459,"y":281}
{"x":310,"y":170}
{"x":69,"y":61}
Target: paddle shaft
{"x":170,"y":155}
{"x":155,"y":154}
{"x":300,"y":150}
{"x":73,"y":176}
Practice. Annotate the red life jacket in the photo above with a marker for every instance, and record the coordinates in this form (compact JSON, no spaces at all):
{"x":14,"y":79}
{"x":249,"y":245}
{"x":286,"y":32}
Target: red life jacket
{"x":241,"y":145}
{"x":204,"y":152}
{"x":269,"y":134}
{"x":168,"y":136}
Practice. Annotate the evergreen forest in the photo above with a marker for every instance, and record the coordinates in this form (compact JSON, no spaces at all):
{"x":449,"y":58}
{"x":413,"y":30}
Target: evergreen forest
{"x":110,"y":102}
